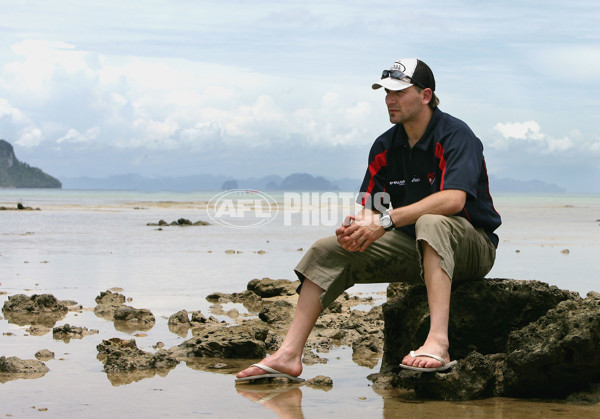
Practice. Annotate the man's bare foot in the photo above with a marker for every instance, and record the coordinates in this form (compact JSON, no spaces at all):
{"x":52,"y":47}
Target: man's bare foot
{"x":427,"y":362}
{"x":279,"y":361}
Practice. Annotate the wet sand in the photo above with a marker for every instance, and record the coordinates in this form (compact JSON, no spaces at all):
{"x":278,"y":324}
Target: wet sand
{"x":77,"y":251}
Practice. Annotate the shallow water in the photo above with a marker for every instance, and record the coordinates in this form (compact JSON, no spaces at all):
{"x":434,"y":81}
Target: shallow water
{"x":81,"y":243}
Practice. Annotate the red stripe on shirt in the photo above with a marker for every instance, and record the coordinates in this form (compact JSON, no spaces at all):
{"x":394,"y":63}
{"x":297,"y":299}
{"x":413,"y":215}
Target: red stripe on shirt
{"x":378,"y":162}
{"x":439,"y":153}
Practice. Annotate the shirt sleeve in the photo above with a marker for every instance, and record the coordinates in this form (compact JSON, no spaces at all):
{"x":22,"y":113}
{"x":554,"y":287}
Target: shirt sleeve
{"x":373,"y":188}
{"x":460,"y":157}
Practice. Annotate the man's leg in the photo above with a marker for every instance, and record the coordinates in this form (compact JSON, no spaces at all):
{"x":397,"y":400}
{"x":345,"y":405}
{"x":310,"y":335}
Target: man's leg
{"x":451,"y":249}
{"x":438,"y":295}
{"x":327,"y":270}
{"x":288,"y":358}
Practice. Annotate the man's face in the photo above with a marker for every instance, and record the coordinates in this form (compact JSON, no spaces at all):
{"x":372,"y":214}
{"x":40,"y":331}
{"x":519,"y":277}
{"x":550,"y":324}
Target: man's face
{"x":404,"y":105}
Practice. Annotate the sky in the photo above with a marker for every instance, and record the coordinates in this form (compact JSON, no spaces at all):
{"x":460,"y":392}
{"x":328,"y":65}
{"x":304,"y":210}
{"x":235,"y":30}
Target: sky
{"x":250,"y":88}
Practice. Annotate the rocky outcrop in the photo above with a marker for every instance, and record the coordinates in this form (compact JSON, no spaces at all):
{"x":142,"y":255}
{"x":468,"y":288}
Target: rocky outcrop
{"x":181,"y":222}
{"x":241,"y":341}
{"x":182,"y":321}
{"x":43,"y":309}
{"x":268,"y":287}
{"x":67,"y":332}
{"x":14,"y":368}
{"x":556,"y":354}
{"x":44,"y":355}
{"x":119,"y":355}
{"x":107,"y":302}
{"x":111,"y":306}
{"x":17,"y":365}
{"x":511,"y":338}
{"x":277,"y":312}
{"x":19,"y":207}
{"x":135,"y":318}
{"x":15,"y":174}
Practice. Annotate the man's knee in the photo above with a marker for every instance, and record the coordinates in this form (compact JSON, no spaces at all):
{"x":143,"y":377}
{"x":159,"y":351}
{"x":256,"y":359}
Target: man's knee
{"x":326,"y":245}
{"x":433,"y":223}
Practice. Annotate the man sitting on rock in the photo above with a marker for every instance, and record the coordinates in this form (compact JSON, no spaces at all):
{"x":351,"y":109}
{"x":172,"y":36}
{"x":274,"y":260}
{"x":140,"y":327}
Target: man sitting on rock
{"x":427,"y":214}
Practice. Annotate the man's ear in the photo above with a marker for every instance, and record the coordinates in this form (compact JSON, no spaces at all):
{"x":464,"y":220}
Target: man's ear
{"x":427,"y":95}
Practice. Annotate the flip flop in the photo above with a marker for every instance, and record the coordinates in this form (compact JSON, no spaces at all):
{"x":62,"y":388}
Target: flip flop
{"x":445,"y":365}
{"x":271,"y":373}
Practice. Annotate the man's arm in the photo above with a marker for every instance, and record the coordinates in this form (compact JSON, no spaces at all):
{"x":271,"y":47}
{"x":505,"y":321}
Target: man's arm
{"x":366,"y":227}
{"x":446,"y":202}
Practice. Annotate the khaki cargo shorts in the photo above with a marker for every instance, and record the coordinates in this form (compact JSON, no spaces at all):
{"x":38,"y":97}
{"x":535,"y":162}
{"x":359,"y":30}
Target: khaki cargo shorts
{"x":466,"y":253}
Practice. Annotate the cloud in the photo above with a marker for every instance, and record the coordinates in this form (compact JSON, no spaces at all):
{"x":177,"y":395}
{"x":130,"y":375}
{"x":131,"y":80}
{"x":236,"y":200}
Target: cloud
{"x":30,"y":137}
{"x":11,"y":113}
{"x":166,"y":104}
{"x":74,"y":136}
{"x":520,"y":130}
{"x":529,"y":133}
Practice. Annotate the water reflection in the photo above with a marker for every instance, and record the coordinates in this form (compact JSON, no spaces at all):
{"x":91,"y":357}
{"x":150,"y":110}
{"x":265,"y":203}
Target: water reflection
{"x":285,"y":402}
{"x":7,"y":376}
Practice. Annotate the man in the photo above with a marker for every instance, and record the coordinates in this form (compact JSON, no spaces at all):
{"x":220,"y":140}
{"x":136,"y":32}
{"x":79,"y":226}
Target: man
{"x":427,"y":215}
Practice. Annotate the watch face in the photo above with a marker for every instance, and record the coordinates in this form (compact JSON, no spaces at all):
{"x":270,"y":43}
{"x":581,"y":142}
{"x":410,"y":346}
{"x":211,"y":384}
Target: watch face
{"x":386,"y":221}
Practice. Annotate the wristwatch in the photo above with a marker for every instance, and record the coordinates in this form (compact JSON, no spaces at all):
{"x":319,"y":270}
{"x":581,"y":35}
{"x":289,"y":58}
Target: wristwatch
{"x":386,"y":220}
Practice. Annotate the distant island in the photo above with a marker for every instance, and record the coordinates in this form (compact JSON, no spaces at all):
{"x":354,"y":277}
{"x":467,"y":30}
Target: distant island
{"x":16,"y":174}
{"x":272,"y":183}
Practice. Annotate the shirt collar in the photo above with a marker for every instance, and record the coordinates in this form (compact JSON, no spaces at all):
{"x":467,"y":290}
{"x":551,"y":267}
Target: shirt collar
{"x":425,"y":141}
{"x":427,"y":137}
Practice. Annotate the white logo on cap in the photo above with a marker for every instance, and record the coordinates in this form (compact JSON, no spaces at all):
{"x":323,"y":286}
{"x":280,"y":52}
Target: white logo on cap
{"x":398,"y":66}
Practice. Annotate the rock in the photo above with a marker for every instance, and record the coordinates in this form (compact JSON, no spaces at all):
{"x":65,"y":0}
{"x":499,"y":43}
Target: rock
{"x":110,"y":298}
{"x":67,"y":332}
{"x":557,"y":354}
{"x":267,"y":287}
{"x":180,"y":222}
{"x":37,"y":330}
{"x":42,"y":309}
{"x":137,"y":315}
{"x":242,"y":341}
{"x":120,"y":355}
{"x":277,"y":312}
{"x":477,"y":307}
{"x":320,"y":381}
{"x":111,"y":305}
{"x":72,"y":305}
{"x":130,"y":319}
{"x":22,"y":366}
{"x":473,"y":377}
{"x":588,"y":397}
{"x":236,"y":297}
{"x":179,"y":323}
{"x":180,"y":318}
{"x":335,"y":307}
{"x":366,"y":350}
{"x":108,"y":302}
{"x":310,"y":358}
{"x":248,"y":299}
{"x":44,"y":355}
{"x":593,"y":294}
{"x":511,"y":338}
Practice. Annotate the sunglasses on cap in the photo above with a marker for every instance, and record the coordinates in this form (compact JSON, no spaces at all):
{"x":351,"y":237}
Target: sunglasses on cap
{"x":399,"y":75}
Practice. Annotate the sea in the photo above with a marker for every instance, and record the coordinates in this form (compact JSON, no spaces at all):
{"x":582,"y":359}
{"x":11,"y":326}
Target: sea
{"x":75,"y":244}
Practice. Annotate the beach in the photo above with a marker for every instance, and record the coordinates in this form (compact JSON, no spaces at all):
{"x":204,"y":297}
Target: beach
{"x":81,"y":243}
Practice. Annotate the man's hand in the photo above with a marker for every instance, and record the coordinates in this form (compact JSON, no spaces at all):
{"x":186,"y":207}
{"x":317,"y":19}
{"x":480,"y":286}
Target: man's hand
{"x":359,"y":231}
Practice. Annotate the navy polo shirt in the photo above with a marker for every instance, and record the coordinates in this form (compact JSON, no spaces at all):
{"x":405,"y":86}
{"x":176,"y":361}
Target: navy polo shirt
{"x":448,"y":156}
